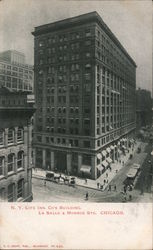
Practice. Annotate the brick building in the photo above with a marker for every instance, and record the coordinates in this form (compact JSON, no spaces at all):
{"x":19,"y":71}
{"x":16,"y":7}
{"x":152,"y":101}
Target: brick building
{"x":14,"y":72}
{"x":85,"y":94}
{"x":16,"y":110}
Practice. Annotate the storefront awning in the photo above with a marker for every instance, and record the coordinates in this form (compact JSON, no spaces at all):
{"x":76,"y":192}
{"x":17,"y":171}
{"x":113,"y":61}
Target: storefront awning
{"x":105,"y":163}
{"x":132,"y":173}
{"x":109,"y":160}
{"x":104,"y":153}
{"x":112,"y":147}
{"x":99,"y":156}
{"x":108,"y":150}
{"x":100,"y":167}
{"x":85,"y":169}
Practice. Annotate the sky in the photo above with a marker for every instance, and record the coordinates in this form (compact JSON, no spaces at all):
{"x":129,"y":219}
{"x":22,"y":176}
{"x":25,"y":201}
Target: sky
{"x":130,"y":21}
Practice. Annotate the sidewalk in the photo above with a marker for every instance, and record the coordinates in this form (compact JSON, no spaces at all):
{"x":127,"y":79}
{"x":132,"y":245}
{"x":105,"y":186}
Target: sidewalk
{"x":41,"y":174}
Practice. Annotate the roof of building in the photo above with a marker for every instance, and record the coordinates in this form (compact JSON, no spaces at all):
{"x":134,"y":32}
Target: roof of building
{"x":77,"y":20}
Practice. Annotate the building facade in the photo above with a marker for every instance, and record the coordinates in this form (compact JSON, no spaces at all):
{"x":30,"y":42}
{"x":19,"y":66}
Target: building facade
{"x":14,"y":72}
{"x":15,"y":146}
{"x":85,"y":94}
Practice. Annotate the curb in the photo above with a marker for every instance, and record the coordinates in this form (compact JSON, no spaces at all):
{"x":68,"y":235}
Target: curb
{"x":43,"y":178}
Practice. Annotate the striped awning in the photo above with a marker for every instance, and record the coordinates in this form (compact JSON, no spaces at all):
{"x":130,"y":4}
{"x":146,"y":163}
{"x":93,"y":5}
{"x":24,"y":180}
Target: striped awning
{"x":108,"y":150}
{"x":85,"y":169}
{"x":105,"y":163}
{"x":99,"y":156}
{"x":104,"y":153}
{"x":100,"y":167}
{"x":109,"y":160}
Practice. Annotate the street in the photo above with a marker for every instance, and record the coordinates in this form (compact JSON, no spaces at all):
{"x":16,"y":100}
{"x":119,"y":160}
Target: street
{"x":54,"y":192}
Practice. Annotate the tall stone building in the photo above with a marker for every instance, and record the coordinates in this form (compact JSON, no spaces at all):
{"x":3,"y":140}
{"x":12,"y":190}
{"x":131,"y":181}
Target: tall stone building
{"x":85,"y":94}
{"x":16,"y":110}
{"x":14,"y":72}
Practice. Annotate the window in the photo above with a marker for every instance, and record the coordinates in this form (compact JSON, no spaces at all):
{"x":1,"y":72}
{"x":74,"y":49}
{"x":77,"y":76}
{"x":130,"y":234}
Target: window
{"x":88,"y":33}
{"x":10,"y":136}
{"x":88,"y":42}
{"x":88,"y":54}
{"x":20,"y":159}
{"x":20,"y":134}
{"x":1,"y":165}
{"x":20,"y":188}
{"x":1,"y":137}
{"x":10,"y":163}
{"x":11,"y":192}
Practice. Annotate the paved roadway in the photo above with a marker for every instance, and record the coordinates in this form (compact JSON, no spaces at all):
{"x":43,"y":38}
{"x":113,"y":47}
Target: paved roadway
{"x":53,"y":192}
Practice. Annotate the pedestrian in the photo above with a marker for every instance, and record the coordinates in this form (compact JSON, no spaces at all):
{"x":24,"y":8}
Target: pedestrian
{"x":44,"y":183}
{"x":87,"y":196}
{"x":106,"y":175}
{"x":130,"y":197}
{"x":109,"y":188}
{"x":115,"y":189}
{"x":101,"y":187}
{"x":86,"y":181}
{"x":110,"y":169}
{"x":98,"y":185}
{"x":104,"y":181}
{"x":116,"y":171}
{"x":125,"y":189}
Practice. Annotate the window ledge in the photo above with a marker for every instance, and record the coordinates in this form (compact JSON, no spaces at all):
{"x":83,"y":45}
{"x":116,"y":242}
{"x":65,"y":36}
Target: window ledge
{"x":10,"y":173}
{"x":2,"y":177}
{"x":20,"y":169}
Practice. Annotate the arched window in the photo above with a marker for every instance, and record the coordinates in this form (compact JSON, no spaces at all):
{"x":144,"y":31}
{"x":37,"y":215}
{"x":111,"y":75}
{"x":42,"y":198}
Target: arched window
{"x":10,"y":163}
{"x":1,"y":165}
{"x":1,"y":137}
{"x":20,"y":189}
{"x":10,"y":136}
{"x":20,"y":158}
{"x":20,"y":134}
{"x":11,"y":192}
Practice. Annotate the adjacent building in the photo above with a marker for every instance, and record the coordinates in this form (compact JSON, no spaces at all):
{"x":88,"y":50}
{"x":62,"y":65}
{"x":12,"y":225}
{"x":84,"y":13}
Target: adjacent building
{"x":14,"y":72}
{"x":16,"y":110}
{"x":85,"y":95}
{"x":143,"y":108}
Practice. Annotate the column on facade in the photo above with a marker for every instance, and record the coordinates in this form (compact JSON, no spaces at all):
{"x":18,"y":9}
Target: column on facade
{"x":15,"y":163}
{"x":34,"y":157}
{"x":25,"y":162}
{"x":6,"y":137}
{"x":25,"y":135}
{"x":5,"y":167}
{"x":15,"y":135}
{"x":44,"y":158}
{"x":52,"y":160}
{"x":94,"y":167}
{"x":69,"y":162}
{"x":15,"y":191}
{"x":79,"y":162}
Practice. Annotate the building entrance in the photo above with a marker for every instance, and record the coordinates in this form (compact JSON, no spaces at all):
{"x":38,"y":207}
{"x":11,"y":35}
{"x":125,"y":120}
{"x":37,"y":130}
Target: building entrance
{"x":61,"y":163}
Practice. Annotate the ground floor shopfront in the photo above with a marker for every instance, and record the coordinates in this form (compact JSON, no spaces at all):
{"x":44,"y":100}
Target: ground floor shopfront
{"x":82,"y":163}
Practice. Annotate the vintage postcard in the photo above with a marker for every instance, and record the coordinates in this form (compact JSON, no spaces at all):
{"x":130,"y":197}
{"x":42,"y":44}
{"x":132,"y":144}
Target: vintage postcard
{"x":76,"y":124}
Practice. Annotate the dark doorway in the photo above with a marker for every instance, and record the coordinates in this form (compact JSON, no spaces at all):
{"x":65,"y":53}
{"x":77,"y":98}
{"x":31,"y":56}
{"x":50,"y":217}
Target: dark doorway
{"x":60,"y":158}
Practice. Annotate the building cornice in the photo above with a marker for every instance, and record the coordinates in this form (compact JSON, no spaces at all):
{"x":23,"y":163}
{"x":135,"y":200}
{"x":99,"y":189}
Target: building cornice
{"x":79,"y":20}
